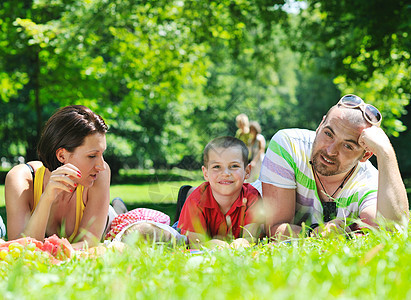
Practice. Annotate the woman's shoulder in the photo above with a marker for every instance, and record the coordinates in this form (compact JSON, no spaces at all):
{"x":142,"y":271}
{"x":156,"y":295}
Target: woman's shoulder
{"x":260,"y":137}
{"x":104,"y":176}
{"x":101,"y":185}
{"x":23,"y":170}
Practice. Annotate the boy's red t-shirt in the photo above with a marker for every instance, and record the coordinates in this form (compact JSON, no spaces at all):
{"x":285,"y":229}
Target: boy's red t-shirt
{"x":201,"y":213}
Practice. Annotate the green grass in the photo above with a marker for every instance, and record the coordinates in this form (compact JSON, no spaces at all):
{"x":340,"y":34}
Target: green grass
{"x":376,"y":266}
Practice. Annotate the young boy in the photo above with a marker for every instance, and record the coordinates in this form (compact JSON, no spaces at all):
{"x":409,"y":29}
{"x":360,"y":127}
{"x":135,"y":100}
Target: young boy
{"x":224,"y":206}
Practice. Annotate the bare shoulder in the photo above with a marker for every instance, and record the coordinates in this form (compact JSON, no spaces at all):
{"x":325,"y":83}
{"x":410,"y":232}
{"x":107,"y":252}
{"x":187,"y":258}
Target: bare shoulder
{"x":22,"y":171}
{"x":102,"y":184}
{"x":18,"y":173}
{"x":261,"y":139}
{"x":20,"y":176}
{"x":104,"y":176}
{"x":19,"y":184}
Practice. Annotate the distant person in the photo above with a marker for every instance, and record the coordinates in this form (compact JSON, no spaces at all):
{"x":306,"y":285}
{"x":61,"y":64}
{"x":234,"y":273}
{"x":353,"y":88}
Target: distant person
{"x":243,"y":131}
{"x":67,"y":191}
{"x":257,"y":149}
{"x":323,"y":178}
{"x":224,"y":207}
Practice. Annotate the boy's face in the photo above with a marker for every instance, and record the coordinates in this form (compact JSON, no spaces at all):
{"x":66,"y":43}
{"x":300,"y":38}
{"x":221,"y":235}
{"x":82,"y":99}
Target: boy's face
{"x":225,"y":171}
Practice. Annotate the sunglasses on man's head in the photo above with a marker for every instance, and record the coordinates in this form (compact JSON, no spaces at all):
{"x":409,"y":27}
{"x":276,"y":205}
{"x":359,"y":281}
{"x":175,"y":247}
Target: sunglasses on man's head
{"x":371,"y":114}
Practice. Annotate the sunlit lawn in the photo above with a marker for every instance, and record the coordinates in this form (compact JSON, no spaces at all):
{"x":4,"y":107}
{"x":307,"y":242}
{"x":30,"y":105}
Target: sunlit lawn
{"x":377,"y":266}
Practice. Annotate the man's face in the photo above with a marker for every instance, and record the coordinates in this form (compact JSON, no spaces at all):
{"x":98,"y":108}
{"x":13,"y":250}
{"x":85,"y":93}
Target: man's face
{"x":336,"y":149}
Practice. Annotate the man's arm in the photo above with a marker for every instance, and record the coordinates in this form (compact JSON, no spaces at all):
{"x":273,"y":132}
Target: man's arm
{"x":279,"y":206}
{"x":392,"y":200}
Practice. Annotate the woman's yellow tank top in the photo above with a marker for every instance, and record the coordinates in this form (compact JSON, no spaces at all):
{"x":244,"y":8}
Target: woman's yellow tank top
{"x":38,"y":190}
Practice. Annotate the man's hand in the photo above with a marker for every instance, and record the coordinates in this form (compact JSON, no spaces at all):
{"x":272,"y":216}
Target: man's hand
{"x":373,"y":139}
{"x":332,"y":228}
{"x":216,"y":243}
{"x":240,"y":243}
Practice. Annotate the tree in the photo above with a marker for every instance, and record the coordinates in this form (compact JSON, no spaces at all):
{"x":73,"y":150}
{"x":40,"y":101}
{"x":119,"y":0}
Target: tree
{"x":369,"y":45}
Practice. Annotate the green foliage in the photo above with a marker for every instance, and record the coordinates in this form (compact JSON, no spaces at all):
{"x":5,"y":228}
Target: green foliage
{"x":370,"y":50}
{"x":168,"y":76}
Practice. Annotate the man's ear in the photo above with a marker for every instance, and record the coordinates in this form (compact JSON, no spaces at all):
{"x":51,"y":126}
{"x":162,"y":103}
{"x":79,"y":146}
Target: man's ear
{"x":321,"y":123}
{"x":366,"y":156}
{"x":247,"y":171}
{"x":62,"y":155}
{"x":205,"y":173}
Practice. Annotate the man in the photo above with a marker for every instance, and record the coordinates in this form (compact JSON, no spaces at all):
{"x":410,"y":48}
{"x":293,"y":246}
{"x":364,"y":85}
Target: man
{"x":323,"y":179}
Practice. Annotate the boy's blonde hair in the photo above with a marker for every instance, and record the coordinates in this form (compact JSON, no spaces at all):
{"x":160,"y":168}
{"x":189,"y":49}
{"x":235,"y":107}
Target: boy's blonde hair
{"x":226,"y":142}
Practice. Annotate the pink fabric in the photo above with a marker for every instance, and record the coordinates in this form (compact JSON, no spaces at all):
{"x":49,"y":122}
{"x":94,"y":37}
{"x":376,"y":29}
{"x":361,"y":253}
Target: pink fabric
{"x":138,"y":214}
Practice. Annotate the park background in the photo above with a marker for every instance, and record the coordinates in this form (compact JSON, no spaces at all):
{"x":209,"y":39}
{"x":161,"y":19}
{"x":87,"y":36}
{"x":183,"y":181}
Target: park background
{"x":168,"y":76}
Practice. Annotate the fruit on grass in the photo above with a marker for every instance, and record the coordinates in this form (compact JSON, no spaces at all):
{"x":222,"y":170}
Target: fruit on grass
{"x":54,"y":250}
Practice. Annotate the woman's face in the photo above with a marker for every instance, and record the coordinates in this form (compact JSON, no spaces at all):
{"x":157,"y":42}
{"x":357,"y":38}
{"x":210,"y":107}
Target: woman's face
{"x":89,"y":158}
{"x":253,"y":132}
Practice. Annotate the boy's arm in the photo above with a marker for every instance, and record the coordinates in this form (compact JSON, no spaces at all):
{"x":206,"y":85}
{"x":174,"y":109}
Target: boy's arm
{"x":192,"y":223}
{"x":195,"y":240}
{"x":254,"y":217}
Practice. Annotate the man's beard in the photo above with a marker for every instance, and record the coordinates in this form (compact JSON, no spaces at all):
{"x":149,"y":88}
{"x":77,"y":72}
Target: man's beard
{"x":325,"y":170}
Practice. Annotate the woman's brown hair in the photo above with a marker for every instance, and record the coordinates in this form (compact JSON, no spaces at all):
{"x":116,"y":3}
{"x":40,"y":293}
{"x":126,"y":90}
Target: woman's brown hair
{"x":67,"y":129}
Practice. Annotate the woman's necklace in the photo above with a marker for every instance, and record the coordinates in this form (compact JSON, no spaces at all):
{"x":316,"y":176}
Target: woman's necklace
{"x":339,"y":187}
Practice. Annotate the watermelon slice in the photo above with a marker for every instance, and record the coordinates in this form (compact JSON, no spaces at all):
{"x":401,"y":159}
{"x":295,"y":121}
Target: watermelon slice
{"x":23,"y":241}
{"x":60,"y":248}
{"x":57,"y":249}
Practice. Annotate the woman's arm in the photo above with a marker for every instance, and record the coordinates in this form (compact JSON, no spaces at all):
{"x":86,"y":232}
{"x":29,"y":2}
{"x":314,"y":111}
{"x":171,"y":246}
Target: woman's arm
{"x":19,"y":194}
{"x":95,"y":214}
{"x":261,"y":150}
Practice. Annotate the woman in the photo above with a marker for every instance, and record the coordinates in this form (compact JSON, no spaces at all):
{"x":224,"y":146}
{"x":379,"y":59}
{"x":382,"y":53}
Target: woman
{"x":67,"y":191}
{"x":257,"y":150}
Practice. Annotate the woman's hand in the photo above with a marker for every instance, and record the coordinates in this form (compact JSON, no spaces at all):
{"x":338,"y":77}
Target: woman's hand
{"x":62,"y":179}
